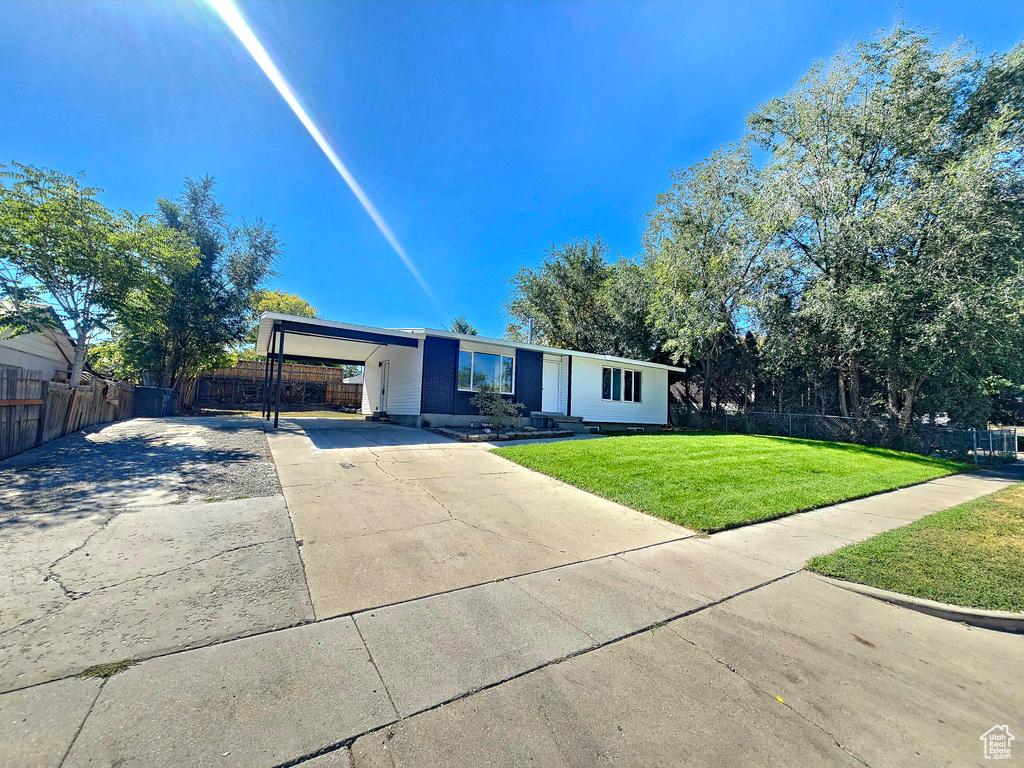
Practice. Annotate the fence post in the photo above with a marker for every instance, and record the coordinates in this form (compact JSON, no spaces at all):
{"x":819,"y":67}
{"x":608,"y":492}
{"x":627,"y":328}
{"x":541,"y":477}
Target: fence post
{"x":791,"y":425}
{"x":726,"y":422}
{"x":974,"y":444}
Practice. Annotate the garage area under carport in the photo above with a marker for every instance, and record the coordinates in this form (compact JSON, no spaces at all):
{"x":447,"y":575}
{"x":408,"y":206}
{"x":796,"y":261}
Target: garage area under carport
{"x":310,"y":340}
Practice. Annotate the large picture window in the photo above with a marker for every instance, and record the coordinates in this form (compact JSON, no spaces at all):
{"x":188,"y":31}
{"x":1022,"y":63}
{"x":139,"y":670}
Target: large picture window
{"x":621,"y":385}
{"x":481,"y":370}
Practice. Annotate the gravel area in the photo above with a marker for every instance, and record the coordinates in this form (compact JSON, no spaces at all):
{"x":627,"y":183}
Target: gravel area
{"x":148,"y":461}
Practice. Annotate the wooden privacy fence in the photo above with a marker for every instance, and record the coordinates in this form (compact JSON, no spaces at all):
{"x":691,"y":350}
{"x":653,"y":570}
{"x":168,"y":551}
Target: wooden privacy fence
{"x":33,"y":411}
{"x":252,"y":370}
{"x":300,"y":385}
{"x":237,"y":391}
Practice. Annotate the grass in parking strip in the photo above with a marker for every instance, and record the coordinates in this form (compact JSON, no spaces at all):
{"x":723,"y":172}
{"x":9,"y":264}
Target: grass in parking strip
{"x":713,"y":481}
{"x":971,"y":555}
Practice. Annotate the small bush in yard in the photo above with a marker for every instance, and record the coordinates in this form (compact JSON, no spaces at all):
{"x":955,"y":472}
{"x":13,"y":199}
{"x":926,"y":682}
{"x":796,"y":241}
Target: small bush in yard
{"x":501,"y":411}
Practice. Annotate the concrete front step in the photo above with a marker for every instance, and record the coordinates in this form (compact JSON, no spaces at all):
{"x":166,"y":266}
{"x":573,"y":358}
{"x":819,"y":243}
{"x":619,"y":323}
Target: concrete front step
{"x":558,"y":417}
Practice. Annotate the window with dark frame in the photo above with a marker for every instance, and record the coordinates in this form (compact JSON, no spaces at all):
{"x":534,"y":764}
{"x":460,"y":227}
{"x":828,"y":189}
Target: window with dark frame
{"x":621,"y":385}
{"x":485,"y":370}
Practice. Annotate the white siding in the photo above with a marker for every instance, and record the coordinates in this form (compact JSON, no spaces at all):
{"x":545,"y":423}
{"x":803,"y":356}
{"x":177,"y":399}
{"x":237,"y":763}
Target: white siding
{"x":405,"y":379}
{"x":33,"y":351}
{"x":587,"y":402}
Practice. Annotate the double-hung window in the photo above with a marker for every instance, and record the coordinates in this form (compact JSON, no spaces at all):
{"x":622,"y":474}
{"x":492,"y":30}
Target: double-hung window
{"x":621,"y":385}
{"x":483,"y":370}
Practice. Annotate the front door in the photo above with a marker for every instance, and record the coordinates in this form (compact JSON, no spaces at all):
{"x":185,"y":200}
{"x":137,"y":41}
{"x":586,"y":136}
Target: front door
{"x":384,"y":386}
{"x":549,"y":387}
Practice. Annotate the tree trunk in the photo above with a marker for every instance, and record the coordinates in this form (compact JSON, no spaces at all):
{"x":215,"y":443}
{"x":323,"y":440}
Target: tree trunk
{"x":855,"y":388}
{"x":707,"y":368}
{"x":841,"y":378}
{"x":81,"y":351}
{"x":907,"y":413}
{"x":901,"y":400}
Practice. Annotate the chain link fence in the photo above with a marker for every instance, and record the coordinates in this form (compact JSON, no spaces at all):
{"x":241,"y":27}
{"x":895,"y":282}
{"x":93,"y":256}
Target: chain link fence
{"x":994,"y":446}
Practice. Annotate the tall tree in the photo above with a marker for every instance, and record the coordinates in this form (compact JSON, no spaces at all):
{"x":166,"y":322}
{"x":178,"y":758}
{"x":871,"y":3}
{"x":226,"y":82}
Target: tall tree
{"x":564,"y":297}
{"x":709,"y":257}
{"x":189,"y":321}
{"x":894,"y":176}
{"x":577,"y":300}
{"x":60,"y":245}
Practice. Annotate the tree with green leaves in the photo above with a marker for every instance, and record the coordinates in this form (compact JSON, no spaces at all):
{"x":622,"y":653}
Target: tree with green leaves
{"x":462,"y":325}
{"x":564,"y":296}
{"x":893,"y":178}
{"x":576,"y":299}
{"x":280,"y":302}
{"x":188,"y":322}
{"x":60,"y":247}
{"x":708,"y":257}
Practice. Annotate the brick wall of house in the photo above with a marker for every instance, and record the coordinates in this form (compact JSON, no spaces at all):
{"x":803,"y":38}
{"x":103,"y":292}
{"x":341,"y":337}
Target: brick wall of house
{"x":440,"y":363}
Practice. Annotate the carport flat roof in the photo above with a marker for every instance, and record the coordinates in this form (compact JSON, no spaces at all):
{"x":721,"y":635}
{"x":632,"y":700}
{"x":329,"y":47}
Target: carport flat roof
{"x":328,"y":340}
{"x":316,"y":340}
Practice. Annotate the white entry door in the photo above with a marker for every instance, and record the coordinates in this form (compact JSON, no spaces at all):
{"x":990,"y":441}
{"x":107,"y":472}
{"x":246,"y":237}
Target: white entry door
{"x":384,"y":386}
{"x":549,"y":387}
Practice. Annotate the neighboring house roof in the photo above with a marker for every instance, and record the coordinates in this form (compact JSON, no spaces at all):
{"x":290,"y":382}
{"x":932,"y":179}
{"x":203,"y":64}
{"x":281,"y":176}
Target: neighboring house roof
{"x":357,"y":379}
{"x":309,"y":344}
{"x":58,"y":337}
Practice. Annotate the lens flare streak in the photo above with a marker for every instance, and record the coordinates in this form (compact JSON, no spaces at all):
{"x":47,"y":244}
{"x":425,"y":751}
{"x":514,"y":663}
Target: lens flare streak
{"x":229,"y":12}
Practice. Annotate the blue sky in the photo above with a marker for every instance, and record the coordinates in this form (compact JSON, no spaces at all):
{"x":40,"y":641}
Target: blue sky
{"x":483,"y":132}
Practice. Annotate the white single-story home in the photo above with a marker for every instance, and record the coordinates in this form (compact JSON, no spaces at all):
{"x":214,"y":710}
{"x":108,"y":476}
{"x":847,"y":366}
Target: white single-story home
{"x":427,"y":377}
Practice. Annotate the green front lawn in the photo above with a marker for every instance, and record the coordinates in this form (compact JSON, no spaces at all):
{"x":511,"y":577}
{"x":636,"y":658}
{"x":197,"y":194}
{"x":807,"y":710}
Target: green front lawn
{"x":969,"y":555}
{"x":712,"y":481}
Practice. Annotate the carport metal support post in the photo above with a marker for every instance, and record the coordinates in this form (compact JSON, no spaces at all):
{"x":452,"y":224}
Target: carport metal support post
{"x":268,"y":391}
{"x":280,"y":364}
{"x":266,"y":379}
{"x":266,"y":384}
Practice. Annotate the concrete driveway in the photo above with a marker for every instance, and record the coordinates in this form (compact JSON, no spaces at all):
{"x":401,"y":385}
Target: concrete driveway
{"x":385,"y":514}
{"x":139,"y":539}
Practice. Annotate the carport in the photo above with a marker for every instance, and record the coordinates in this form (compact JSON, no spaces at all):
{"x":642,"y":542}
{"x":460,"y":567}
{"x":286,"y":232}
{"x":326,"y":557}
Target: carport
{"x":309,"y":340}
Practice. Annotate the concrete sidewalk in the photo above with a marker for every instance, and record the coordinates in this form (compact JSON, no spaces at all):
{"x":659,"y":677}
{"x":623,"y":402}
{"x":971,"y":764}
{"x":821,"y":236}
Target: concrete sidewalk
{"x":632,"y":691}
{"x":796,"y":673}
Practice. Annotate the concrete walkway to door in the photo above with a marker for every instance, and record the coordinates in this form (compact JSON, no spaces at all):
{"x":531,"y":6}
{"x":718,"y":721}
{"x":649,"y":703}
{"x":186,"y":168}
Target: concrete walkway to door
{"x":386,"y":514}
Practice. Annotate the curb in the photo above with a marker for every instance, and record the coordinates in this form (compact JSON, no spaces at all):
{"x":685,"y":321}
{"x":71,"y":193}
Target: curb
{"x":1001,"y":621}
